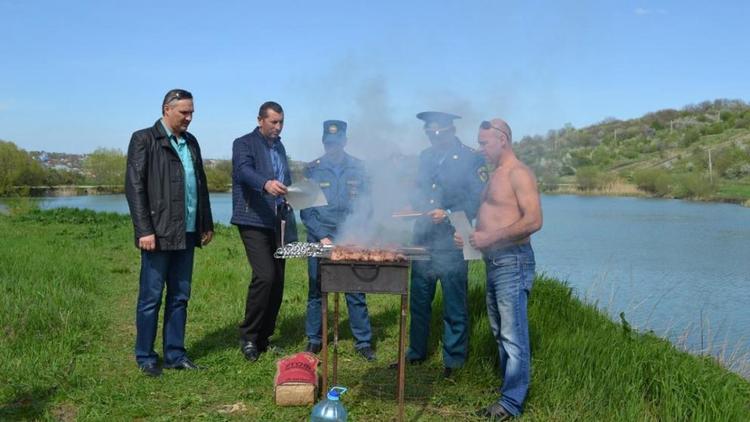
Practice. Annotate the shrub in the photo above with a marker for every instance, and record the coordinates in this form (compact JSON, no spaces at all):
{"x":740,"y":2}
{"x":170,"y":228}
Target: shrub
{"x":219,"y":176}
{"x":106,"y":166}
{"x":692,"y":186}
{"x":602,"y":156}
{"x":17,"y":168}
{"x":713,"y":129}
{"x":590,"y":178}
{"x":742,"y":123}
{"x":691,"y":136}
{"x":738,"y":171}
{"x":654,"y":180}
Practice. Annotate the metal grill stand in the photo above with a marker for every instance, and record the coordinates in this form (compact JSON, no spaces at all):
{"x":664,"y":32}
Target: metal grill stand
{"x":363,"y":277}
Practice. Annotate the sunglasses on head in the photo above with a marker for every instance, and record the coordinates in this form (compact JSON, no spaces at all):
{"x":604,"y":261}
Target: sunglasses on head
{"x":177,"y":94}
{"x":488,"y":125}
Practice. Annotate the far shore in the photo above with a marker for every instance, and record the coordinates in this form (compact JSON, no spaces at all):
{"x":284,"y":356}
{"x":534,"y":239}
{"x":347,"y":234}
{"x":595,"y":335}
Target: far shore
{"x":629,"y":189}
{"x":73,"y":190}
{"x":616,"y":189}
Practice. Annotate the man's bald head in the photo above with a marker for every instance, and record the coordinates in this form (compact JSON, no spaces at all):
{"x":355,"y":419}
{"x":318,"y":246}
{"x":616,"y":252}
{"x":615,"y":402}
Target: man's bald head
{"x":495,"y":140}
{"x":498,"y":126}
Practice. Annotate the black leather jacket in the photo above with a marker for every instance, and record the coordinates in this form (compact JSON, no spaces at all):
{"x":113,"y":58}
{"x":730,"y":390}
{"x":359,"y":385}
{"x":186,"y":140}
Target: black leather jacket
{"x":155,"y":189}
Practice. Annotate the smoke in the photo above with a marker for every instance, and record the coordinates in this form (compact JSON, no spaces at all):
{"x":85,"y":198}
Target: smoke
{"x":389,"y":147}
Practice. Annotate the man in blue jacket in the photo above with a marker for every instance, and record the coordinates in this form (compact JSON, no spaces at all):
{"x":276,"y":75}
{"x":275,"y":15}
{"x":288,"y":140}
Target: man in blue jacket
{"x":343,"y":181}
{"x":450,"y":178}
{"x":260,"y":176}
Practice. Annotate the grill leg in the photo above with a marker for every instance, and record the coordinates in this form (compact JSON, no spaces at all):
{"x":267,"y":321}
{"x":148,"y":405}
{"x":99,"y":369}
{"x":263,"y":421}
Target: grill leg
{"x":402,"y":356}
{"x":335,"y":338}
{"x":324,"y":350}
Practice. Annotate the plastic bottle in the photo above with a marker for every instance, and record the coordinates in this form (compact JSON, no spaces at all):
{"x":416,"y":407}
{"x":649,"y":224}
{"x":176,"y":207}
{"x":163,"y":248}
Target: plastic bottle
{"x":331,"y":409}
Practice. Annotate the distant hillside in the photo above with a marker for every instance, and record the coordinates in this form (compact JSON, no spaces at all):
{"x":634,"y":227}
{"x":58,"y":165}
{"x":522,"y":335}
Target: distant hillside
{"x":666,"y":153}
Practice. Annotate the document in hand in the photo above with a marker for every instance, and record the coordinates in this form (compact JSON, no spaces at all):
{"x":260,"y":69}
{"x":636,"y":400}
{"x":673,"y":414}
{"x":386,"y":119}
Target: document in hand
{"x":461,"y":223}
{"x":305,"y":194}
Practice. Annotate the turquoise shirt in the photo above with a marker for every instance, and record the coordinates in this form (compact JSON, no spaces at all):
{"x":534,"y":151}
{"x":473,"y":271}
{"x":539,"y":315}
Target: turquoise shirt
{"x":191,"y":187}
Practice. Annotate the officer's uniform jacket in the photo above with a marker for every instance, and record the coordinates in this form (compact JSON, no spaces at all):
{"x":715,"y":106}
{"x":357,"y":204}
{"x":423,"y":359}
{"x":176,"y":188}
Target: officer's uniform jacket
{"x":451,"y":179}
{"x":343,"y":184}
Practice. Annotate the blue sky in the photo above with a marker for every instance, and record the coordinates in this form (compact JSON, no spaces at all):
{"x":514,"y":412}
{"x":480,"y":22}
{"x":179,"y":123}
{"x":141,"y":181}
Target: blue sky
{"x":78,"y":75}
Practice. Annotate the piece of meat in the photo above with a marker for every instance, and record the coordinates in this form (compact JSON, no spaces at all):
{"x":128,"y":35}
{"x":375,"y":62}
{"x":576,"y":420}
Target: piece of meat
{"x":361,"y":254}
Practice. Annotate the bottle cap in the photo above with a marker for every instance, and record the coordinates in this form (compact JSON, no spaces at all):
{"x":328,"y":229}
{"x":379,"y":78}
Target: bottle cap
{"x":336,"y":392}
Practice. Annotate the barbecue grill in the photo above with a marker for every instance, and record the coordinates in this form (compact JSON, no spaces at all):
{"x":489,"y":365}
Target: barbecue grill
{"x":379,"y":271}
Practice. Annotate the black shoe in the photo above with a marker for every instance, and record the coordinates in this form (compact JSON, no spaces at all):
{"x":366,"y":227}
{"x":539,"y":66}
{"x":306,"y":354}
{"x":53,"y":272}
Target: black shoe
{"x":409,"y":361}
{"x":184,"y":364}
{"x":313,"y":348}
{"x":495,"y":412}
{"x":150,"y":369}
{"x":448,"y":372}
{"x":367,"y":353}
{"x":250,"y":350}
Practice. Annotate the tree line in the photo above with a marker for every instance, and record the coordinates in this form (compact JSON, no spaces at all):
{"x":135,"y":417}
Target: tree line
{"x":684,"y":153}
{"x":19,"y":171}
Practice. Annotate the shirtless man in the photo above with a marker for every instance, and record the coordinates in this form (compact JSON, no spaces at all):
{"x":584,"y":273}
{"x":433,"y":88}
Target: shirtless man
{"x":509,"y":213}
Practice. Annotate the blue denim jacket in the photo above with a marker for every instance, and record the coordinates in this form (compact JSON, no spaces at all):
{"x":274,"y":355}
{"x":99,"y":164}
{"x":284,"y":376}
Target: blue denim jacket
{"x":251,"y":169}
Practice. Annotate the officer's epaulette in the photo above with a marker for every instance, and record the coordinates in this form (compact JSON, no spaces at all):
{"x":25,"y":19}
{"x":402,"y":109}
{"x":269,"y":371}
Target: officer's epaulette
{"x":470,"y":149}
{"x":312,"y":164}
{"x":356,"y":161}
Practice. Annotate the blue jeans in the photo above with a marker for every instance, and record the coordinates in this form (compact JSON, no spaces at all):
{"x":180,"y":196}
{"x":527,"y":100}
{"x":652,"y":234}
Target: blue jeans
{"x":175,"y":269}
{"x":452,"y":271}
{"x":510,"y":274}
{"x":359,"y":320}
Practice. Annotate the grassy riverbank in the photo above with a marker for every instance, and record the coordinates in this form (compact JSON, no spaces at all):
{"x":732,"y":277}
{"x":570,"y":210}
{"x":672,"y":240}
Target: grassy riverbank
{"x":725,"y":192}
{"x":69,"y":282}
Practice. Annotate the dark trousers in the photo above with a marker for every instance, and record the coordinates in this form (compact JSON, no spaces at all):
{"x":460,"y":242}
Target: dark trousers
{"x":175,"y":269}
{"x":266,"y":289}
{"x":452,"y":272}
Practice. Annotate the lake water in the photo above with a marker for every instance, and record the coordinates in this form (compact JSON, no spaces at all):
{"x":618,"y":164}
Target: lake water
{"x":681,"y":269}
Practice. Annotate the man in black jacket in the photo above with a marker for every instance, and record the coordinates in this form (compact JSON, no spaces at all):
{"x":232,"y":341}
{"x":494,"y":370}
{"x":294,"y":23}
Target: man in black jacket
{"x":168,"y":199}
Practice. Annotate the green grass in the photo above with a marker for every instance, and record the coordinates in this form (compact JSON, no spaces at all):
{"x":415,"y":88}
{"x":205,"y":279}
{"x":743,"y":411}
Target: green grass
{"x":69,"y":282}
{"x":734,"y":190}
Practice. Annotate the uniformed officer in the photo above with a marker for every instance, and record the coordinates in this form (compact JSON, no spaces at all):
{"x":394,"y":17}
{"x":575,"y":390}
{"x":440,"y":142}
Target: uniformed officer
{"x":343,"y":181}
{"x":450,"y":178}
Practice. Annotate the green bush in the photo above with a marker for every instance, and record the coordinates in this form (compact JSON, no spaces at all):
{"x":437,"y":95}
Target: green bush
{"x":17,"y":168}
{"x":742,"y":123}
{"x":602,"y":156}
{"x":548,"y":178}
{"x":580,"y":157}
{"x":713,"y":129}
{"x":691,"y":136}
{"x":729,"y":158}
{"x":105,"y":166}
{"x":654,"y":180}
{"x":219,"y":176}
{"x":692,"y":186}
{"x":590,"y":178}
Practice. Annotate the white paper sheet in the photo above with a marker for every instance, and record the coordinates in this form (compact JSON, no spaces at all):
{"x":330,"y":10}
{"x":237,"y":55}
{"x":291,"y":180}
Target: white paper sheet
{"x":305,"y":194}
{"x":463,"y":228}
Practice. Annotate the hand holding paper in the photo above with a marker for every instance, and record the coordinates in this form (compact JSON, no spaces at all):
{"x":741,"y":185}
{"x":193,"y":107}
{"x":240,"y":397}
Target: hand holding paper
{"x":305,"y":194}
{"x":463,"y":229}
